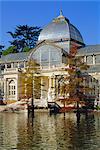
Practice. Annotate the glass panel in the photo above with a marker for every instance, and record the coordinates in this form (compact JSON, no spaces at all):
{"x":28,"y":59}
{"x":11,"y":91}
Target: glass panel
{"x":21,"y":65}
{"x":97,"y":59}
{"x":36,"y":55}
{"x":89,"y":59}
{"x":75,"y":34}
{"x":65,"y":45}
{"x":15,"y":65}
{"x":47,"y":55}
{"x":12,"y":88}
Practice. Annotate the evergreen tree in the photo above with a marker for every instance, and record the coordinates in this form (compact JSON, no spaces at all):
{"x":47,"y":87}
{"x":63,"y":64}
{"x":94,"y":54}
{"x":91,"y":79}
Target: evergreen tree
{"x":24,"y":36}
{"x":10,"y":49}
{"x":1,"y":49}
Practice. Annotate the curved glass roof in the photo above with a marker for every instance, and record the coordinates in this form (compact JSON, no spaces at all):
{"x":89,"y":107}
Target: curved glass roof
{"x":75,"y":34}
{"x":47,"y":55}
{"x":60,"y":29}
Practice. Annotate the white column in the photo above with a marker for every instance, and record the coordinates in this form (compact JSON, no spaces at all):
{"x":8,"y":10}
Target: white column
{"x":17,"y":93}
{"x":5,"y":66}
{"x":93,"y":59}
{"x":84,"y":58}
{"x":41,"y":87}
{"x":18,"y":64}
{"x":12,"y":65}
{"x":54,"y":87}
{"x":5,"y":92}
{"x":49,"y":90}
{"x":7,"y":89}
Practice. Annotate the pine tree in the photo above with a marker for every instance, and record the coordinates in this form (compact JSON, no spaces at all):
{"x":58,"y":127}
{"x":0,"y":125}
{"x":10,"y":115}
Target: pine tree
{"x":24,"y":37}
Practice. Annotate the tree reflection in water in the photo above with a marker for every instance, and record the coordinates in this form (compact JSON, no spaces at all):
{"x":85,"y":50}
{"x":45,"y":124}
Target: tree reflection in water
{"x":47,"y":132}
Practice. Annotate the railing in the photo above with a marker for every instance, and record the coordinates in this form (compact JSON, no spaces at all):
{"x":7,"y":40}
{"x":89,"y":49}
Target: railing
{"x":9,"y":70}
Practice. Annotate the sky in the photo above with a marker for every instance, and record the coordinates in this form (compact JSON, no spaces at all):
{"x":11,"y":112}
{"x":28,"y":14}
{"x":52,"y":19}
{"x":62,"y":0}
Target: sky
{"x":85,"y":15}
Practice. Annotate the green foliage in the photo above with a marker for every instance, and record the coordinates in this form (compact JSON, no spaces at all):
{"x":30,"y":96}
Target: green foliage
{"x":1,"y":47}
{"x":26,"y":49}
{"x":11,"y":49}
{"x":24,"y":36}
{"x":28,"y":80}
{"x":97,"y":107}
{"x":73,"y":84}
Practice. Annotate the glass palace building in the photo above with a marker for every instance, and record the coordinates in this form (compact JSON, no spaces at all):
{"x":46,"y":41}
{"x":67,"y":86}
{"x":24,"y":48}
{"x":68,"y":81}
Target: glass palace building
{"x":55,"y":42}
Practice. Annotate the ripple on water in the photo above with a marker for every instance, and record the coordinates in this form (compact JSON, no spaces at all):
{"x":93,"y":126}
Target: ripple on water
{"x":46,"y":132}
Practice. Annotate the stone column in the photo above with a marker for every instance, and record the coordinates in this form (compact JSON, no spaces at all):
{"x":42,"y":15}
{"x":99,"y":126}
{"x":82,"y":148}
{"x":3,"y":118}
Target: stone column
{"x":49,"y":90}
{"x":18,"y":64}
{"x":42,"y":87}
{"x":12,"y":65}
{"x":93,"y":59}
{"x":5,"y":66}
{"x":5,"y":90}
{"x":16,"y":89}
{"x":84,"y":58}
{"x":54,"y":87}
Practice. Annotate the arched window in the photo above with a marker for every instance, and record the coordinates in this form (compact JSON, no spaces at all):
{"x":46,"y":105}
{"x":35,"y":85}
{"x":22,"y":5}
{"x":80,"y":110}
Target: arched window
{"x":12,"y":88}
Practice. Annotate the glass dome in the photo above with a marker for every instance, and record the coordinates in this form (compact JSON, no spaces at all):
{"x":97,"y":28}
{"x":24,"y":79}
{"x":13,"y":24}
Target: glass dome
{"x":60,"y":29}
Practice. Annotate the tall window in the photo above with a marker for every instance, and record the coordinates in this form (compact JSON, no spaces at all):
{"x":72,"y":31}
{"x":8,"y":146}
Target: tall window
{"x":12,"y":88}
{"x":89,"y":60}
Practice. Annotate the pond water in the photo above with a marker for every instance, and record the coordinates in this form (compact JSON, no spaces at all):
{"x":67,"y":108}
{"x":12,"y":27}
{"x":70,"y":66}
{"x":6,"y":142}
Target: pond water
{"x":45,"y":132}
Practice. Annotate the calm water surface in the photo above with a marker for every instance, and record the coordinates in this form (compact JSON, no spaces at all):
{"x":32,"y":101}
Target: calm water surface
{"x":46,"y":132}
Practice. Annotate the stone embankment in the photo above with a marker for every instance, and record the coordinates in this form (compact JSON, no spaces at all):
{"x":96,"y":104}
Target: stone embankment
{"x":13,"y":107}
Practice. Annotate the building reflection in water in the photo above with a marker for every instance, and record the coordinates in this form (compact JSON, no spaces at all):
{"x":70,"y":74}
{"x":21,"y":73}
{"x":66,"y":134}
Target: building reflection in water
{"x":8,"y":131}
{"x":46,"y":132}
